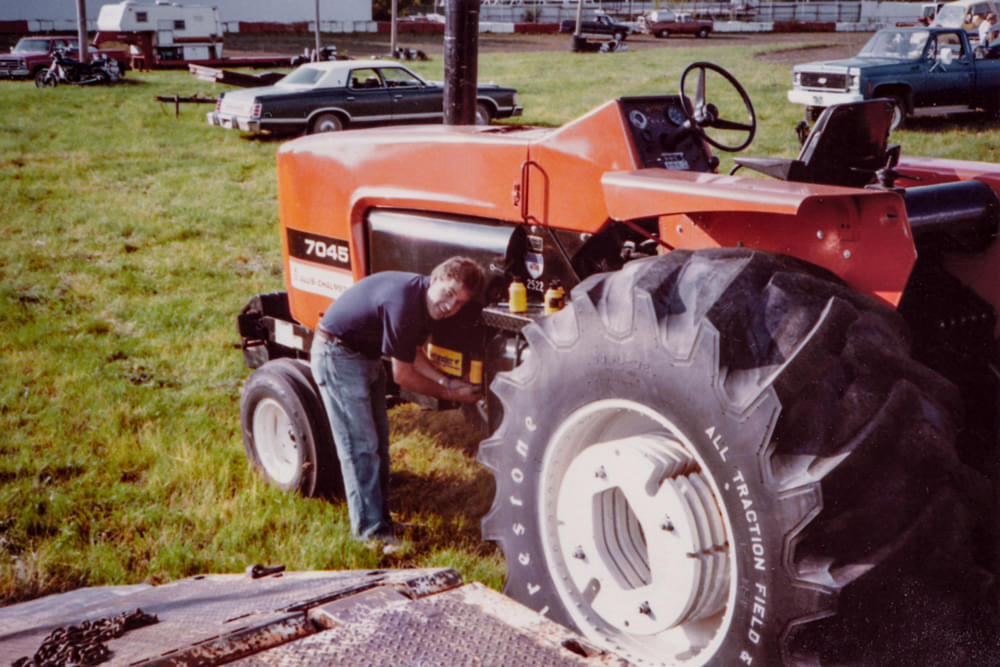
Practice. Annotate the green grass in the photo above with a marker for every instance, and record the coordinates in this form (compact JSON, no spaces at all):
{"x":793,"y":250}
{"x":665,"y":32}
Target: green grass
{"x":129,"y":241}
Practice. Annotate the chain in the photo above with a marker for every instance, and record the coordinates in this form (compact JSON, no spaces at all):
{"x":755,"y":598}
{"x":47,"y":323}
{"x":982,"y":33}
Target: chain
{"x":84,"y":644}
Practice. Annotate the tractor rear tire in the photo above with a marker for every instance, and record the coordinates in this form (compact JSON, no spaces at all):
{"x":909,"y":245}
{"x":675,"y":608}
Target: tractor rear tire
{"x":286,"y":434}
{"x":728,"y":457}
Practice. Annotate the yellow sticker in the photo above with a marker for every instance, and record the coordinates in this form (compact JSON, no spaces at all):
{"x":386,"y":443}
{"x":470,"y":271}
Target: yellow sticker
{"x":445,"y":360}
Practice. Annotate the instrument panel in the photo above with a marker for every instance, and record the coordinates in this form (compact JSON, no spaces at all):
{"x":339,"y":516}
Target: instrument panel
{"x":661,"y":139}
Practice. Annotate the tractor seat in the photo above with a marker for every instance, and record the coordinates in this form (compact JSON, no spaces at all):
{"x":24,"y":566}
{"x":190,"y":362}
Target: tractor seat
{"x":847,"y":146}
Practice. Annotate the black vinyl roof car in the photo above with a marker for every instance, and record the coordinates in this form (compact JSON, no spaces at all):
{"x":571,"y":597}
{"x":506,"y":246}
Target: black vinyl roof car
{"x":328,"y":96}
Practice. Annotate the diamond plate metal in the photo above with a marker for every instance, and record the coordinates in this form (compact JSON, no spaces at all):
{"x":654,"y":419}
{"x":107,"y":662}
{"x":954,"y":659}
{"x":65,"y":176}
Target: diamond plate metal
{"x":201,"y":609}
{"x":356,"y":618}
{"x":471,"y":625}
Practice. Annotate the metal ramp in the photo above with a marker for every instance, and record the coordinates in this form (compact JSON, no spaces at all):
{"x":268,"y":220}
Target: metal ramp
{"x":357,"y":618}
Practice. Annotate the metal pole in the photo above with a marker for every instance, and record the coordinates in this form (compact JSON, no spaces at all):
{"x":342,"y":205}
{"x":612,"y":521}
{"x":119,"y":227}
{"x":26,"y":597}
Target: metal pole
{"x":461,"y":64}
{"x":316,"y":53}
{"x":392,"y":31}
{"x":81,"y":28}
{"x":576,"y":39}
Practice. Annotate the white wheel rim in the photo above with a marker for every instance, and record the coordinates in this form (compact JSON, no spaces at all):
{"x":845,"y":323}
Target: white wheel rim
{"x":635,"y":534}
{"x":274,"y":441}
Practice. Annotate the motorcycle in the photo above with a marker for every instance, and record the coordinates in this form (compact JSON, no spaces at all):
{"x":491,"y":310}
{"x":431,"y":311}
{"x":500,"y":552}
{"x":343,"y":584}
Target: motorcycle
{"x":63,"y":69}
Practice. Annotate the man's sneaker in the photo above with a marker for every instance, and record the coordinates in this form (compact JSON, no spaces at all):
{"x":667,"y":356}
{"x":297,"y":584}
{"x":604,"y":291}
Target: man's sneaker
{"x":390,"y":545}
{"x":387,"y":543}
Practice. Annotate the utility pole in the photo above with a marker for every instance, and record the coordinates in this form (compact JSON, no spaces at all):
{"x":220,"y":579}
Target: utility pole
{"x":392,"y":31}
{"x":461,"y":61}
{"x":316,"y":52}
{"x":81,"y":28}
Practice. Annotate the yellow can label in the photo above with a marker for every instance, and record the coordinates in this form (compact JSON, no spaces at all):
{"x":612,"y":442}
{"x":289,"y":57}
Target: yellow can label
{"x":445,"y":360}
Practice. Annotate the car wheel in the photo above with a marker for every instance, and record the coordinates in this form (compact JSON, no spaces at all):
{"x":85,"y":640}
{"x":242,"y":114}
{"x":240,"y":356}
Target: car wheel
{"x":664,"y":33}
{"x":703,"y":33}
{"x":285,"y":431}
{"x":327,"y":122}
{"x":726,"y":457}
{"x":483,"y":114}
{"x":898,"y":112}
{"x":620,"y":36}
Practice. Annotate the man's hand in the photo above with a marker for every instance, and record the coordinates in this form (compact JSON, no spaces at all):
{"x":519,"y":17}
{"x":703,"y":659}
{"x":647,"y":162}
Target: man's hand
{"x":463,"y":392}
{"x":422,"y":378}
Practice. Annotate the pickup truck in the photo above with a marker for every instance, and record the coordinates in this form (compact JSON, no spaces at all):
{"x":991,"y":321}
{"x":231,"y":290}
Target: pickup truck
{"x":660,"y":23}
{"x":600,"y":26}
{"x":34,"y":53}
{"x":924,"y":71}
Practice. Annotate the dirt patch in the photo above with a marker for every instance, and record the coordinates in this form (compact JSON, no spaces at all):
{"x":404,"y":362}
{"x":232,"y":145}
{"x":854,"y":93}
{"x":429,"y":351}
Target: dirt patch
{"x":362,"y":45}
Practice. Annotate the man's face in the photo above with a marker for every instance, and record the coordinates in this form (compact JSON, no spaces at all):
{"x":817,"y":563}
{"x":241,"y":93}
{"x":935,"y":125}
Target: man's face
{"x":445,"y":297}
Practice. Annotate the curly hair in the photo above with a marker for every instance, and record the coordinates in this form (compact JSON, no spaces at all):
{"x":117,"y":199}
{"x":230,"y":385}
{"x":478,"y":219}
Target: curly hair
{"x":465,"y":271}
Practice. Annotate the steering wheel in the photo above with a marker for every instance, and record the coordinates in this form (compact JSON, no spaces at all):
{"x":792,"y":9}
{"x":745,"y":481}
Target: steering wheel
{"x":705,"y":114}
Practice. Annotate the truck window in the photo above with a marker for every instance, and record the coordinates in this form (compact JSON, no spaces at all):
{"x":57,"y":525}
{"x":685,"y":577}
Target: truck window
{"x":951,"y":41}
{"x":140,"y":17}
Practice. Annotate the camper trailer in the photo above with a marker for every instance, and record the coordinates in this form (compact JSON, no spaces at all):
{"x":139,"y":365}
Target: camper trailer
{"x":161,"y":34}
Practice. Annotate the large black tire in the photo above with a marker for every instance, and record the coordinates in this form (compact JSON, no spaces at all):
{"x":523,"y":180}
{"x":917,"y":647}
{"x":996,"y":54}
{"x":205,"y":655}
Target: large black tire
{"x":898,"y":112}
{"x":484,"y":115}
{"x":727,"y":457}
{"x":285,"y":430}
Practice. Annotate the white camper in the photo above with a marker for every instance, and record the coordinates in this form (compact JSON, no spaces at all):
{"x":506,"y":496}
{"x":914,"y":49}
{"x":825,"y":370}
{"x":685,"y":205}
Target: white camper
{"x":162,"y":31}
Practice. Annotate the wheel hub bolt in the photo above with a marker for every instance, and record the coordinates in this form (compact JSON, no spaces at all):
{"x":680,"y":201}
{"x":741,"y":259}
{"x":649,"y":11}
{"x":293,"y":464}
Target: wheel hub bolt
{"x":579,"y":553}
{"x":601,"y":473}
{"x":645,"y":609}
{"x":668,"y":525}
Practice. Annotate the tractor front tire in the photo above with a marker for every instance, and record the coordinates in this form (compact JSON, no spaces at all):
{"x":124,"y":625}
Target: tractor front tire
{"x":286,"y":434}
{"x":728,"y":457}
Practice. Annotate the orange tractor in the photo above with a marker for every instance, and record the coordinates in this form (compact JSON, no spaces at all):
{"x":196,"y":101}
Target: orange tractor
{"x":762,"y":431}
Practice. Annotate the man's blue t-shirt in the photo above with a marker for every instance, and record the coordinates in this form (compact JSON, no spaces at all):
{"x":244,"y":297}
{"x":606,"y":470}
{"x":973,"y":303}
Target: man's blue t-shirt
{"x":382,"y":314}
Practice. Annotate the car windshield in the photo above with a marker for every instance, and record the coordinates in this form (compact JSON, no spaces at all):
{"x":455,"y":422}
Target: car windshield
{"x":39,"y":45}
{"x":304,"y":76}
{"x":904,"y":45}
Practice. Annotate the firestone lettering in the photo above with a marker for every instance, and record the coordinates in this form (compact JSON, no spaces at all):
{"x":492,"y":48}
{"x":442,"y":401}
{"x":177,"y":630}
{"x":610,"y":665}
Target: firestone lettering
{"x":522,"y":449}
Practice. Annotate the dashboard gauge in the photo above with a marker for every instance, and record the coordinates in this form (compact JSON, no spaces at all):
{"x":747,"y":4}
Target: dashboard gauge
{"x":638,"y":119}
{"x":676,"y":115}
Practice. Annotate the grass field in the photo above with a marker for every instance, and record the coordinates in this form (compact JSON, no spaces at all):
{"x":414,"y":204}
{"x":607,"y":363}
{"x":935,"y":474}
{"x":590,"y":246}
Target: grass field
{"x":130,"y":240}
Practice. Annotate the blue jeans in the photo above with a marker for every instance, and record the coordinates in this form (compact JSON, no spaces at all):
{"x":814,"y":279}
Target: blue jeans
{"x":353,"y":390}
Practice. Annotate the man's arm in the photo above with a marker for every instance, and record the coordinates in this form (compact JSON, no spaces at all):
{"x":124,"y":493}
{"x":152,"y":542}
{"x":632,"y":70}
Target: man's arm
{"x":421,"y":377}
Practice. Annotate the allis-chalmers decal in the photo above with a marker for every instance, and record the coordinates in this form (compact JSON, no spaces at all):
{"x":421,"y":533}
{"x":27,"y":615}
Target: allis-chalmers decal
{"x":309,"y":255}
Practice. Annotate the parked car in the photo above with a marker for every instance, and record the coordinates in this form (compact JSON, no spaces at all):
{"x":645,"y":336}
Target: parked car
{"x":599,"y":26}
{"x":327,"y":96}
{"x":965,"y":14}
{"x":33,"y":54}
{"x":922,"y":70}
{"x":663,"y":23}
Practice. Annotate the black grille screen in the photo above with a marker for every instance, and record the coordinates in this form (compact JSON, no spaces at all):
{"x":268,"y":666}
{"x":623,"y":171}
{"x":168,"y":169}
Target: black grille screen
{"x":823,"y":80}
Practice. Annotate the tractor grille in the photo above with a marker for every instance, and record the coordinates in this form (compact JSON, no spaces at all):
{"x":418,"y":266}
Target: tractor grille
{"x":824,"y":80}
